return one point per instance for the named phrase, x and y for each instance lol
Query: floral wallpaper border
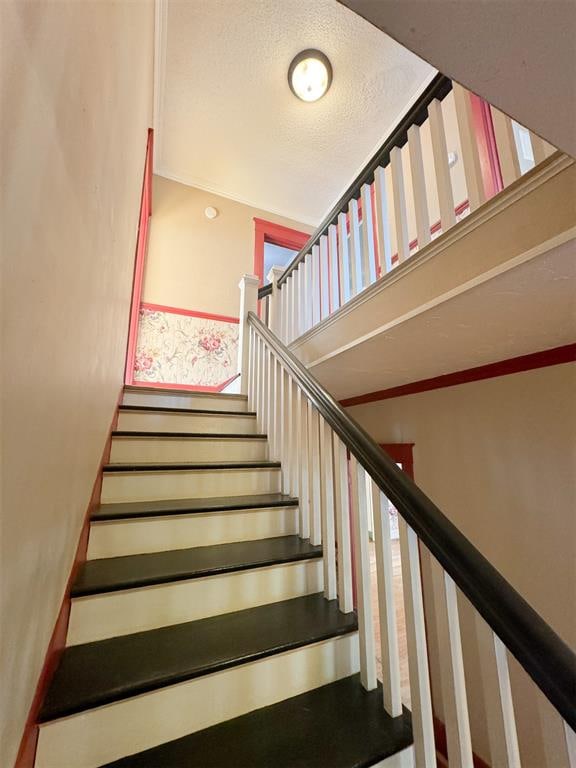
(185, 348)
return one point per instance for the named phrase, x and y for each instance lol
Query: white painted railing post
(274, 314)
(248, 303)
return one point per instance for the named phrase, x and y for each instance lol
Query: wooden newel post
(248, 303)
(274, 307)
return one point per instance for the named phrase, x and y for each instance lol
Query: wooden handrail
(439, 88)
(535, 645)
(265, 290)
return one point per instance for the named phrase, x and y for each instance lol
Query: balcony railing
(449, 154)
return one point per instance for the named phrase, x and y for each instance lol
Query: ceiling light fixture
(310, 75)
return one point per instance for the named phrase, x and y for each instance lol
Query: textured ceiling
(227, 121)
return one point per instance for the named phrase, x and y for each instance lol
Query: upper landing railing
(449, 154)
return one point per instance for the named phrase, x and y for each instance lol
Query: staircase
(199, 633)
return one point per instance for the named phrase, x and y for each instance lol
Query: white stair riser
(165, 399)
(158, 449)
(115, 538)
(108, 733)
(164, 421)
(183, 484)
(97, 617)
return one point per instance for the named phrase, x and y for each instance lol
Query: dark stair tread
(130, 571)
(132, 509)
(201, 411)
(190, 435)
(155, 466)
(99, 673)
(339, 725)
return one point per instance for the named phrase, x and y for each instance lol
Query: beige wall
(194, 262)
(498, 457)
(76, 106)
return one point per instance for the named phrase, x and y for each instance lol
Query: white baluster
(271, 400)
(327, 501)
(297, 302)
(342, 512)
(344, 260)
(368, 256)
(441, 168)
(314, 476)
(419, 187)
(309, 292)
(422, 721)
(301, 300)
(386, 606)
(324, 284)
(355, 247)
(382, 221)
(333, 262)
(293, 299)
(276, 427)
(301, 440)
(452, 666)
(304, 498)
(400, 217)
(362, 569)
(469, 144)
(258, 382)
(570, 745)
(251, 356)
(294, 439)
(498, 704)
(315, 258)
(285, 432)
(506, 145)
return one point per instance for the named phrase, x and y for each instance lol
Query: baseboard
(442, 744)
(27, 751)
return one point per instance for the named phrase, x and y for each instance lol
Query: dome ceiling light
(310, 75)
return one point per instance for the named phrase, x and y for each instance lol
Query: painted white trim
(135, 536)
(516, 191)
(112, 614)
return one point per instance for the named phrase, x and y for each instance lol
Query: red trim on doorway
(141, 249)
(27, 751)
(188, 312)
(543, 359)
(401, 453)
(278, 234)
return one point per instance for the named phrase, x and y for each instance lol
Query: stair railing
(367, 233)
(338, 472)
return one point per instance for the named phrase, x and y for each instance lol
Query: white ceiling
(226, 120)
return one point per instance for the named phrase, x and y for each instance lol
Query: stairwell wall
(76, 106)
(498, 458)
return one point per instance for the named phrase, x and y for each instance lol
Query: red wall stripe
(188, 312)
(543, 359)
